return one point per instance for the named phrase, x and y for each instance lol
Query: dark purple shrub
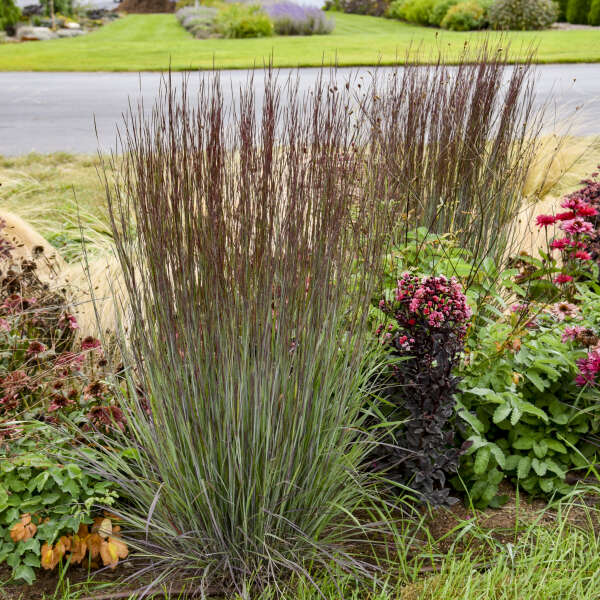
(290, 18)
(426, 334)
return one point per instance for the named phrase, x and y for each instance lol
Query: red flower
(35, 348)
(545, 220)
(16, 303)
(582, 255)
(107, 417)
(566, 216)
(585, 210)
(90, 343)
(560, 244)
(68, 321)
(562, 278)
(58, 402)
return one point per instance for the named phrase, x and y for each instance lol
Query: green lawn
(152, 42)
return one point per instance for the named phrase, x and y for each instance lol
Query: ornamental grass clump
(248, 262)
(459, 143)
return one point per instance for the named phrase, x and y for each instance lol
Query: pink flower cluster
(436, 300)
(589, 369)
(571, 333)
(575, 224)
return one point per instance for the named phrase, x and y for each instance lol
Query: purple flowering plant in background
(290, 18)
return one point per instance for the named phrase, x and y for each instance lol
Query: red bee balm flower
(35, 348)
(562, 278)
(90, 343)
(582, 255)
(566, 216)
(560, 244)
(545, 220)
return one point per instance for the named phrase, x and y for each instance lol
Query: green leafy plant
(243, 21)
(522, 14)
(527, 418)
(43, 502)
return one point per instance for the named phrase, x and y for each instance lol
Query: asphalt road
(50, 112)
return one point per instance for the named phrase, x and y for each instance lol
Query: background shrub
(594, 14)
(63, 7)
(562, 9)
(200, 22)
(522, 14)
(464, 16)
(9, 16)
(375, 8)
(439, 11)
(413, 11)
(243, 21)
(293, 19)
(578, 11)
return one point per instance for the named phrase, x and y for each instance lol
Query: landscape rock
(72, 25)
(69, 33)
(25, 34)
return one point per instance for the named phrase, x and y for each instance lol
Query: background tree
(578, 11)
(594, 15)
(9, 16)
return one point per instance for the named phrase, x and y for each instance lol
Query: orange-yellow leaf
(93, 543)
(50, 557)
(17, 532)
(111, 550)
(103, 527)
(78, 549)
(23, 530)
(66, 542)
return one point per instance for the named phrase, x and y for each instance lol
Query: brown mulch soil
(47, 581)
(502, 524)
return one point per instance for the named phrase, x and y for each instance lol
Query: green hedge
(9, 15)
(578, 11)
